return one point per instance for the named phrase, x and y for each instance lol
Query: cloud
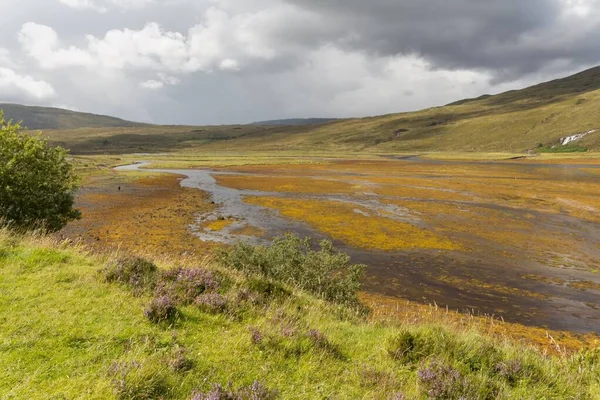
(152, 84)
(41, 43)
(14, 85)
(163, 79)
(104, 5)
(264, 59)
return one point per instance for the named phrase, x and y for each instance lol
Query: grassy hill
(295, 122)
(511, 121)
(58, 118)
(79, 325)
(515, 121)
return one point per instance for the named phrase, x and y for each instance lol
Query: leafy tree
(37, 182)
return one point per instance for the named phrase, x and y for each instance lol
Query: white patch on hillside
(574, 138)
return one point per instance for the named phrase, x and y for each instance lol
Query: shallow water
(495, 283)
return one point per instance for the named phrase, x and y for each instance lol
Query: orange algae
(341, 221)
(286, 184)
(218, 225)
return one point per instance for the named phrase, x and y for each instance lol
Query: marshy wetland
(518, 240)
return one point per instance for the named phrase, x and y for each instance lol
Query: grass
(69, 334)
(569, 148)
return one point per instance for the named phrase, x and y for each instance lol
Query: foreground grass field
(67, 333)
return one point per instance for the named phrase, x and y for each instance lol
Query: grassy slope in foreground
(67, 334)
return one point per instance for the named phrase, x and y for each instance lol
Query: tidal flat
(516, 240)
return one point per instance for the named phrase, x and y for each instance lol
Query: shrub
(162, 309)
(256, 391)
(211, 303)
(180, 362)
(185, 284)
(37, 182)
(256, 336)
(412, 347)
(443, 382)
(268, 289)
(136, 272)
(291, 260)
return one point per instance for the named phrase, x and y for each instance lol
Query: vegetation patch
(218, 225)
(340, 221)
(291, 261)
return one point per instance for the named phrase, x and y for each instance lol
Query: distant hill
(57, 118)
(295, 122)
(535, 117)
(515, 121)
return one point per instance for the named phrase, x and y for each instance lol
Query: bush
(37, 183)
(180, 361)
(136, 272)
(291, 260)
(212, 303)
(411, 347)
(443, 382)
(162, 309)
(256, 391)
(185, 284)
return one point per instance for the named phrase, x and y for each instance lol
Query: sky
(238, 61)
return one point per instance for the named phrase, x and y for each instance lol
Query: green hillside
(512, 121)
(58, 118)
(77, 325)
(295, 122)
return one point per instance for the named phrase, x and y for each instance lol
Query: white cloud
(221, 42)
(41, 43)
(229, 64)
(163, 79)
(152, 84)
(104, 5)
(13, 84)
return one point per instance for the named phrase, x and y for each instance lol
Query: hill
(513, 121)
(58, 118)
(295, 122)
(79, 325)
(516, 121)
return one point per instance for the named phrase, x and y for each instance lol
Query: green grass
(569, 148)
(66, 333)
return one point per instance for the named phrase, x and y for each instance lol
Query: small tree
(37, 183)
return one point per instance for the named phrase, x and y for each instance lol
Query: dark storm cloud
(507, 37)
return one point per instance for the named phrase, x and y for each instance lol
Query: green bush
(37, 182)
(291, 260)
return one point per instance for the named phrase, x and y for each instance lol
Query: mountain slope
(295, 122)
(57, 118)
(511, 121)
